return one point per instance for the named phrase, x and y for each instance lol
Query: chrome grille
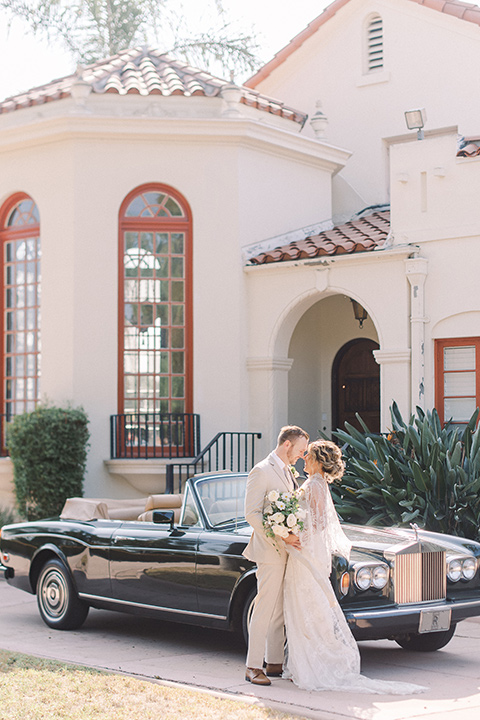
(419, 577)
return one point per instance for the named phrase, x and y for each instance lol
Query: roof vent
(375, 44)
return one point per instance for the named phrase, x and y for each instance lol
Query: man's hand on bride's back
(293, 540)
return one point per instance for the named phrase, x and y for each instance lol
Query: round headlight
(454, 571)
(469, 568)
(363, 578)
(380, 576)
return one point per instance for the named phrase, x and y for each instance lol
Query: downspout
(416, 271)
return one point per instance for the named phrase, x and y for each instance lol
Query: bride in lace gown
(321, 651)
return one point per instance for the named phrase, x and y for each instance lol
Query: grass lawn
(36, 689)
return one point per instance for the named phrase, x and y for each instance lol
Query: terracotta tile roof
(470, 147)
(143, 71)
(462, 10)
(360, 235)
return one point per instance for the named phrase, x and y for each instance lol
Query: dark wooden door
(356, 385)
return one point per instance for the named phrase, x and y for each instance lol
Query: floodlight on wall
(416, 120)
(359, 312)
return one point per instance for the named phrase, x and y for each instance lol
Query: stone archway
(356, 385)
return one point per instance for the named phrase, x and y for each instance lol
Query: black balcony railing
(233, 451)
(154, 435)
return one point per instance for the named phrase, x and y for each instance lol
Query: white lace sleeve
(322, 524)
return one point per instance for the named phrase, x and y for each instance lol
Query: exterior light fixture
(359, 312)
(416, 120)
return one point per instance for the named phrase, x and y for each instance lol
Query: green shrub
(48, 448)
(418, 472)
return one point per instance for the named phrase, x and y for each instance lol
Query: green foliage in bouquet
(48, 448)
(418, 472)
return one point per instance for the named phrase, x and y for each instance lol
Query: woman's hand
(293, 540)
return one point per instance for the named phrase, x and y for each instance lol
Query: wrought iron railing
(154, 435)
(233, 451)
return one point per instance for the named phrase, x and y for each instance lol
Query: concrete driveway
(214, 660)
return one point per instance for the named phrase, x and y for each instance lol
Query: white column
(394, 383)
(416, 271)
(268, 400)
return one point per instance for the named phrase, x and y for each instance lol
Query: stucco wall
(243, 182)
(430, 61)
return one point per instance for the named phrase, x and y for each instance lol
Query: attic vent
(375, 44)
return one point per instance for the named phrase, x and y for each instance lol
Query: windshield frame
(227, 479)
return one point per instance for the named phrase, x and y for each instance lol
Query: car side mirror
(162, 517)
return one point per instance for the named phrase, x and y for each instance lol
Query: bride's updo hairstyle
(328, 457)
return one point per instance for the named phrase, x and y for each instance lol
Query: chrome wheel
(53, 594)
(58, 602)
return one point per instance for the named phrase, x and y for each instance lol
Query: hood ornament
(415, 529)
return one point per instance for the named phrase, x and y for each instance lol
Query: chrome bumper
(379, 622)
(7, 571)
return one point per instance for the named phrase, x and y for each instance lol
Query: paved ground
(211, 659)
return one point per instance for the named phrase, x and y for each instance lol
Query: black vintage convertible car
(179, 557)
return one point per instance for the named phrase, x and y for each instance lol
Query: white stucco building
(200, 244)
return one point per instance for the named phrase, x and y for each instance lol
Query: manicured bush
(48, 448)
(419, 472)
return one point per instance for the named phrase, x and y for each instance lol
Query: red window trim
(440, 345)
(185, 225)
(5, 233)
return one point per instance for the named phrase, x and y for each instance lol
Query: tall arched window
(20, 316)
(155, 284)
(374, 44)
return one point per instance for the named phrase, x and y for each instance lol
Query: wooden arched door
(356, 385)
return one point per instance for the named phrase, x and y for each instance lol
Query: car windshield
(223, 499)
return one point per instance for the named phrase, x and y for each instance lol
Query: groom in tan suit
(266, 633)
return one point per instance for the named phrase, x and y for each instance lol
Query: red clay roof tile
(471, 149)
(142, 71)
(362, 235)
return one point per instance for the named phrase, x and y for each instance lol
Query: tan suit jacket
(263, 478)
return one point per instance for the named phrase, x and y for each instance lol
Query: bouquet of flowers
(282, 514)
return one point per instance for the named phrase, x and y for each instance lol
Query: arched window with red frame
(20, 316)
(155, 302)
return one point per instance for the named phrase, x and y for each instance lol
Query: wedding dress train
(321, 651)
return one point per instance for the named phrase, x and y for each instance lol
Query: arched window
(20, 316)
(155, 285)
(374, 44)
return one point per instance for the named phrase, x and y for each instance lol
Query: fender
(40, 556)
(240, 590)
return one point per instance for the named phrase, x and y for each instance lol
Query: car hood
(375, 540)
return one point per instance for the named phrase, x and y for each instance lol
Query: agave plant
(419, 472)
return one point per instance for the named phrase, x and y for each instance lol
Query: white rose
(291, 520)
(278, 518)
(301, 514)
(268, 510)
(280, 530)
(273, 495)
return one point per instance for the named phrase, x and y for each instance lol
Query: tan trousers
(267, 632)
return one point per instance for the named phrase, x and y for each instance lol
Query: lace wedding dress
(321, 651)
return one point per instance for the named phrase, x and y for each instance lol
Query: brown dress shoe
(274, 669)
(256, 676)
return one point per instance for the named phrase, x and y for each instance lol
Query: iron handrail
(234, 451)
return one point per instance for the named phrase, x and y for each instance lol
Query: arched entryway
(356, 385)
(322, 334)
